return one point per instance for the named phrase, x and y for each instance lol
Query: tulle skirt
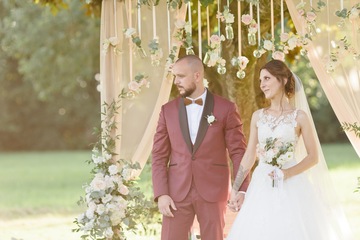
(292, 212)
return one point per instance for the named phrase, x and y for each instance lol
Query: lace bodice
(282, 129)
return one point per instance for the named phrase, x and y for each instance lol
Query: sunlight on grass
(42, 182)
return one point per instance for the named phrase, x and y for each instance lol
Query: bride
(290, 195)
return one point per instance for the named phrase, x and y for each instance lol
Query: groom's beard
(187, 92)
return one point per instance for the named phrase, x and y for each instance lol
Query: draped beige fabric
(342, 87)
(137, 117)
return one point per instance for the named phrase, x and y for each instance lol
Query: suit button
(193, 158)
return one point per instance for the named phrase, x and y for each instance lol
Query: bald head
(194, 62)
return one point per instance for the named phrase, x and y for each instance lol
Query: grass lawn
(34, 184)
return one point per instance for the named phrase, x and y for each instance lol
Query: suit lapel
(208, 109)
(184, 124)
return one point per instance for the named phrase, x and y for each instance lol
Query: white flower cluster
(279, 49)
(112, 41)
(226, 16)
(131, 33)
(211, 119)
(343, 48)
(212, 56)
(105, 198)
(179, 39)
(250, 22)
(275, 152)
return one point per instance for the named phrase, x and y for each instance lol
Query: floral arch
(141, 39)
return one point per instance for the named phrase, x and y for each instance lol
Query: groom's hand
(240, 197)
(236, 200)
(232, 203)
(165, 203)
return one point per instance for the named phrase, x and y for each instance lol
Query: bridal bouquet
(276, 153)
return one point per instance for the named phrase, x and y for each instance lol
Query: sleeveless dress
(288, 212)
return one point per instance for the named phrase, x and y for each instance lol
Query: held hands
(165, 203)
(236, 200)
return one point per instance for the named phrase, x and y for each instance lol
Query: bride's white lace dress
(290, 212)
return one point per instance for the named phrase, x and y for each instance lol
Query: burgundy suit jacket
(176, 162)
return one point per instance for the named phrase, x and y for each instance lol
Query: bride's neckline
(274, 121)
(283, 113)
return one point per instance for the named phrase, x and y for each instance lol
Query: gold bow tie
(188, 101)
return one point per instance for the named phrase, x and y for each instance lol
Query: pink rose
(284, 37)
(134, 86)
(310, 16)
(246, 19)
(215, 39)
(277, 55)
(301, 12)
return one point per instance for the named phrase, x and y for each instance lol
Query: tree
(49, 64)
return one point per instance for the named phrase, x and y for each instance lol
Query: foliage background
(49, 56)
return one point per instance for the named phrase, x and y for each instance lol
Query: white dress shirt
(194, 113)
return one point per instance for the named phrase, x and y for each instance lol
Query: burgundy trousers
(211, 217)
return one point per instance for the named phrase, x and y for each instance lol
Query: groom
(190, 169)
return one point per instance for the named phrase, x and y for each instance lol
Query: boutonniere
(210, 119)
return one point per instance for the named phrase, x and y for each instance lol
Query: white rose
(116, 217)
(109, 181)
(81, 218)
(269, 155)
(213, 59)
(97, 159)
(100, 209)
(129, 32)
(268, 45)
(88, 226)
(113, 169)
(108, 233)
(89, 214)
(107, 198)
(126, 173)
(98, 184)
(229, 18)
(211, 119)
(292, 42)
(107, 156)
(92, 206)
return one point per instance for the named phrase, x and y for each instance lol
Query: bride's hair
(279, 70)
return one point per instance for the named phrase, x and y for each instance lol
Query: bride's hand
(236, 200)
(285, 172)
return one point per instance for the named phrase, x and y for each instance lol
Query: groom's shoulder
(222, 100)
(172, 102)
